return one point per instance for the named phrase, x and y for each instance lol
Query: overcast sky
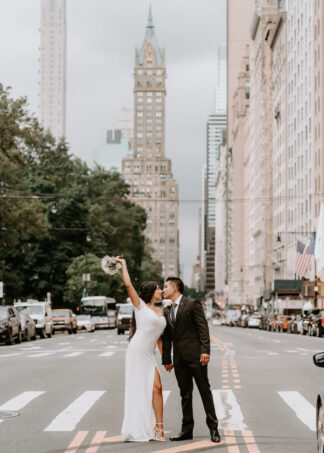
(102, 36)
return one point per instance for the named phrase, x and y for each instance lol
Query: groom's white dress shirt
(176, 306)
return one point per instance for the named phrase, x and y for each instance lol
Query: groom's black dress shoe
(214, 436)
(182, 436)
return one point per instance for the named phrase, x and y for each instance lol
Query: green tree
(99, 285)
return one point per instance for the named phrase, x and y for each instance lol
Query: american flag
(303, 256)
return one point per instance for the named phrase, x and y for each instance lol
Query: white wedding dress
(139, 418)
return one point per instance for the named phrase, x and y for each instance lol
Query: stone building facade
(148, 171)
(53, 67)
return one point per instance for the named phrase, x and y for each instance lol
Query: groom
(187, 329)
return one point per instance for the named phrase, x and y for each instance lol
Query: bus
(101, 309)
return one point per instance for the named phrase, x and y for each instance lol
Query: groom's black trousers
(185, 372)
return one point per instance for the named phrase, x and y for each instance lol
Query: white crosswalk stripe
(228, 410)
(68, 419)
(227, 406)
(302, 408)
(20, 401)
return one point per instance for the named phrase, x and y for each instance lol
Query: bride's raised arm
(128, 284)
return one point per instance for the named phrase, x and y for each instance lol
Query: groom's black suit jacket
(189, 334)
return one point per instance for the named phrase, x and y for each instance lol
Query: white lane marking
(166, 394)
(30, 348)
(276, 341)
(73, 354)
(11, 355)
(228, 410)
(107, 354)
(292, 351)
(41, 354)
(65, 342)
(273, 353)
(19, 402)
(71, 416)
(302, 408)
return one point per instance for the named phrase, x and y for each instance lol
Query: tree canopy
(59, 217)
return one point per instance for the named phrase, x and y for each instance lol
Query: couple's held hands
(204, 359)
(168, 367)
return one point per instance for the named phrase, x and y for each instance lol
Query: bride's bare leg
(158, 401)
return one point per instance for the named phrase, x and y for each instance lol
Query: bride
(143, 417)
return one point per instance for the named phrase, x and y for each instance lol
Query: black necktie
(173, 315)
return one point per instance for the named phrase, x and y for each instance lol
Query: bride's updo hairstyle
(146, 291)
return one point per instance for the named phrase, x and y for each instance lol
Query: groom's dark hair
(178, 282)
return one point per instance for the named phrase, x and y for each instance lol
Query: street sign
(1, 290)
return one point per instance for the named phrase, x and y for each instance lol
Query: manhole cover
(8, 414)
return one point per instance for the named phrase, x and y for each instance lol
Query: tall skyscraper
(216, 124)
(221, 90)
(148, 171)
(53, 67)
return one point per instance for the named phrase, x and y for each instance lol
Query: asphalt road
(69, 392)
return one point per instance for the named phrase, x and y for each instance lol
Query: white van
(41, 313)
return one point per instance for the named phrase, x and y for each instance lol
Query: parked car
(295, 324)
(124, 317)
(10, 325)
(281, 323)
(319, 361)
(317, 324)
(271, 322)
(41, 313)
(254, 320)
(308, 321)
(217, 322)
(28, 327)
(232, 317)
(264, 321)
(86, 322)
(244, 320)
(63, 319)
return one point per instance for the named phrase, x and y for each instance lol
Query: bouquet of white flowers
(109, 266)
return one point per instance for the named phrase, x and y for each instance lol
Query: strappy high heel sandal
(159, 433)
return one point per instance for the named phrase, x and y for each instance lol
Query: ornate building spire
(150, 40)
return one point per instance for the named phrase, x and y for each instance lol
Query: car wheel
(53, 331)
(10, 339)
(27, 335)
(319, 428)
(42, 333)
(19, 337)
(75, 330)
(70, 331)
(118, 331)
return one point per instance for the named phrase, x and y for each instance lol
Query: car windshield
(83, 317)
(61, 313)
(31, 309)
(3, 313)
(125, 310)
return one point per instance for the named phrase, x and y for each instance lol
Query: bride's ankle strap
(159, 423)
